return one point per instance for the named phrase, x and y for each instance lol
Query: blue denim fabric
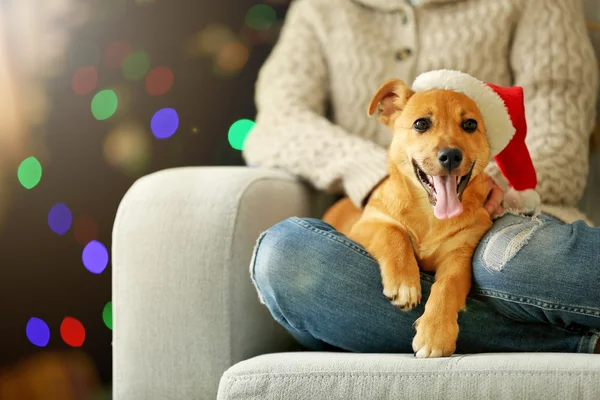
(536, 288)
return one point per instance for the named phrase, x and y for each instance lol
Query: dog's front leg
(391, 247)
(437, 328)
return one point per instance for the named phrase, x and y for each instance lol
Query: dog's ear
(391, 97)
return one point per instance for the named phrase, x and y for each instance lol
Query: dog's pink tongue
(447, 205)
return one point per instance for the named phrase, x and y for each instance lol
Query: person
(535, 277)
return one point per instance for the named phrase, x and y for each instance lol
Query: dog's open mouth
(444, 191)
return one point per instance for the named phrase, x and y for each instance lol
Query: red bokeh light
(72, 332)
(85, 229)
(116, 53)
(85, 80)
(159, 81)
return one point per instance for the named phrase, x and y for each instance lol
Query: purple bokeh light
(95, 257)
(164, 123)
(37, 332)
(60, 218)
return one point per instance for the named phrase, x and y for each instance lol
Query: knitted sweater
(338, 52)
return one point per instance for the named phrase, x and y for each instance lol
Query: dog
(428, 213)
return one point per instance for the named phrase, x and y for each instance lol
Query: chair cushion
(319, 375)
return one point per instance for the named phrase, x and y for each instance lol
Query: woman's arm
(553, 60)
(291, 131)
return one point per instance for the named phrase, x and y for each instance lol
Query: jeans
(536, 287)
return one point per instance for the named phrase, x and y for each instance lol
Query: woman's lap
(540, 269)
(326, 291)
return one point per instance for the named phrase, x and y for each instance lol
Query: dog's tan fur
(398, 227)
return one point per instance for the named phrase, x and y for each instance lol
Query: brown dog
(428, 212)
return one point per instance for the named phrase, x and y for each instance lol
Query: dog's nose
(450, 158)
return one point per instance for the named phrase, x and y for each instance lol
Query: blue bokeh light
(37, 332)
(164, 123)
(95, 257)
(60, 218)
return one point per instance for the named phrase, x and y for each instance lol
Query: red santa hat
(503, 112)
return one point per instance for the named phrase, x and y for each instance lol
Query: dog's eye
(469, 125)
(421, 125)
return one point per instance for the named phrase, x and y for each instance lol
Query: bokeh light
(261, 17)
(136, 66)
(95, 257)
(85, 80)
(60, 218)
(107, 315)
(85, 229)
(37, 332)
(209, 40)
(116, 53)
(164, 123)
(72, 332)
(159, 81)
(238, 132)
(29, 172)
(104, 104)
(233, 56)
(128, 148)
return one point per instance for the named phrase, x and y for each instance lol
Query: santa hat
(503, 112)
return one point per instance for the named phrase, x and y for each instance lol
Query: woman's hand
(493, 204)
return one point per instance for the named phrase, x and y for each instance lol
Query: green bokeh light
(238, 132)
(136, 66)
(104, 104)
(107, 315)
(30, 172)
(260, 17)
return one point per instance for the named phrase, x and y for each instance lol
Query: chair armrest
(185, 308)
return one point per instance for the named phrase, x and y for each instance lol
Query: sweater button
(403, 54)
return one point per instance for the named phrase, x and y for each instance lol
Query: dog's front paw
(403, 291)
(435, 338)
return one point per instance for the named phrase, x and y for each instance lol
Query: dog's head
(439, 140)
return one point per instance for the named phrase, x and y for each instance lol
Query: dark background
(41, 272)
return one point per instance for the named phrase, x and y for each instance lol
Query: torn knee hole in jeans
(504, 244)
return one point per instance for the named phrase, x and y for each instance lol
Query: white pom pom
(526, 199)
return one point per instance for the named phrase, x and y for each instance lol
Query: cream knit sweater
(338, 52)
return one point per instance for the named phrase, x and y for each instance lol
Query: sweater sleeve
(292, 132)
(553, 60)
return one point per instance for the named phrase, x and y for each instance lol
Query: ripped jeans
(536, 287)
